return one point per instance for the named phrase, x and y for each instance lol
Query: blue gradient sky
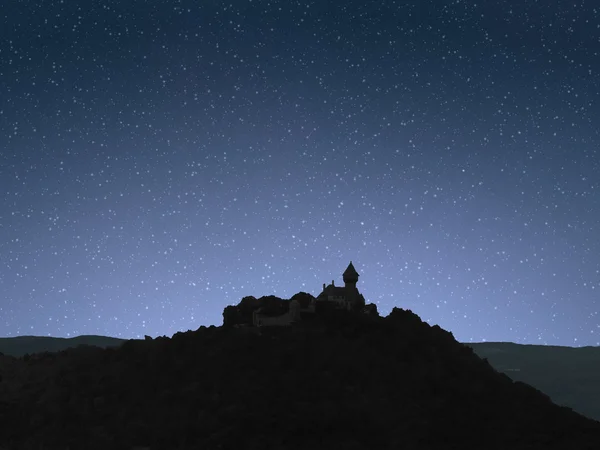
(161, 160)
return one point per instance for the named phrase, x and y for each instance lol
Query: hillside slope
(340, 381)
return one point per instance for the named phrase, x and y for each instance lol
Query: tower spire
(350, 275)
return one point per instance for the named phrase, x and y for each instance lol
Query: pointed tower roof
(350, 274)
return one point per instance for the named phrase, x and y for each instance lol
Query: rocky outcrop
(242, 313)
(341, 381)
(371, 309)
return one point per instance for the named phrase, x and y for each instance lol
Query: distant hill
(20, 345)
(569, 375)
(340, 380)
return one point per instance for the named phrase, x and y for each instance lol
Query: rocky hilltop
(338, 380)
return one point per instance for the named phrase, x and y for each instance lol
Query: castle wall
(293, 315)
(342, 302)
(261, 320)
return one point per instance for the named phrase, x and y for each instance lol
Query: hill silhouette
(569, 375)
(21, 345)
(342, 380)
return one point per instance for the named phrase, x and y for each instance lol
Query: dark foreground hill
(568, 375)
(341, 381)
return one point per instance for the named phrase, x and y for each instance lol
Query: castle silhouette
(345, 297)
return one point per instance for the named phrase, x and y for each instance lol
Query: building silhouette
(345, 297)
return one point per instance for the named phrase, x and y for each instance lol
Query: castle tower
(350, 277)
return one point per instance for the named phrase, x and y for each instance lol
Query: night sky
(160, 160)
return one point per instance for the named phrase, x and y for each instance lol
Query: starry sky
(160, 160)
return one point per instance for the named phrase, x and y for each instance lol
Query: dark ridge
(342, 380)
(20, 345)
